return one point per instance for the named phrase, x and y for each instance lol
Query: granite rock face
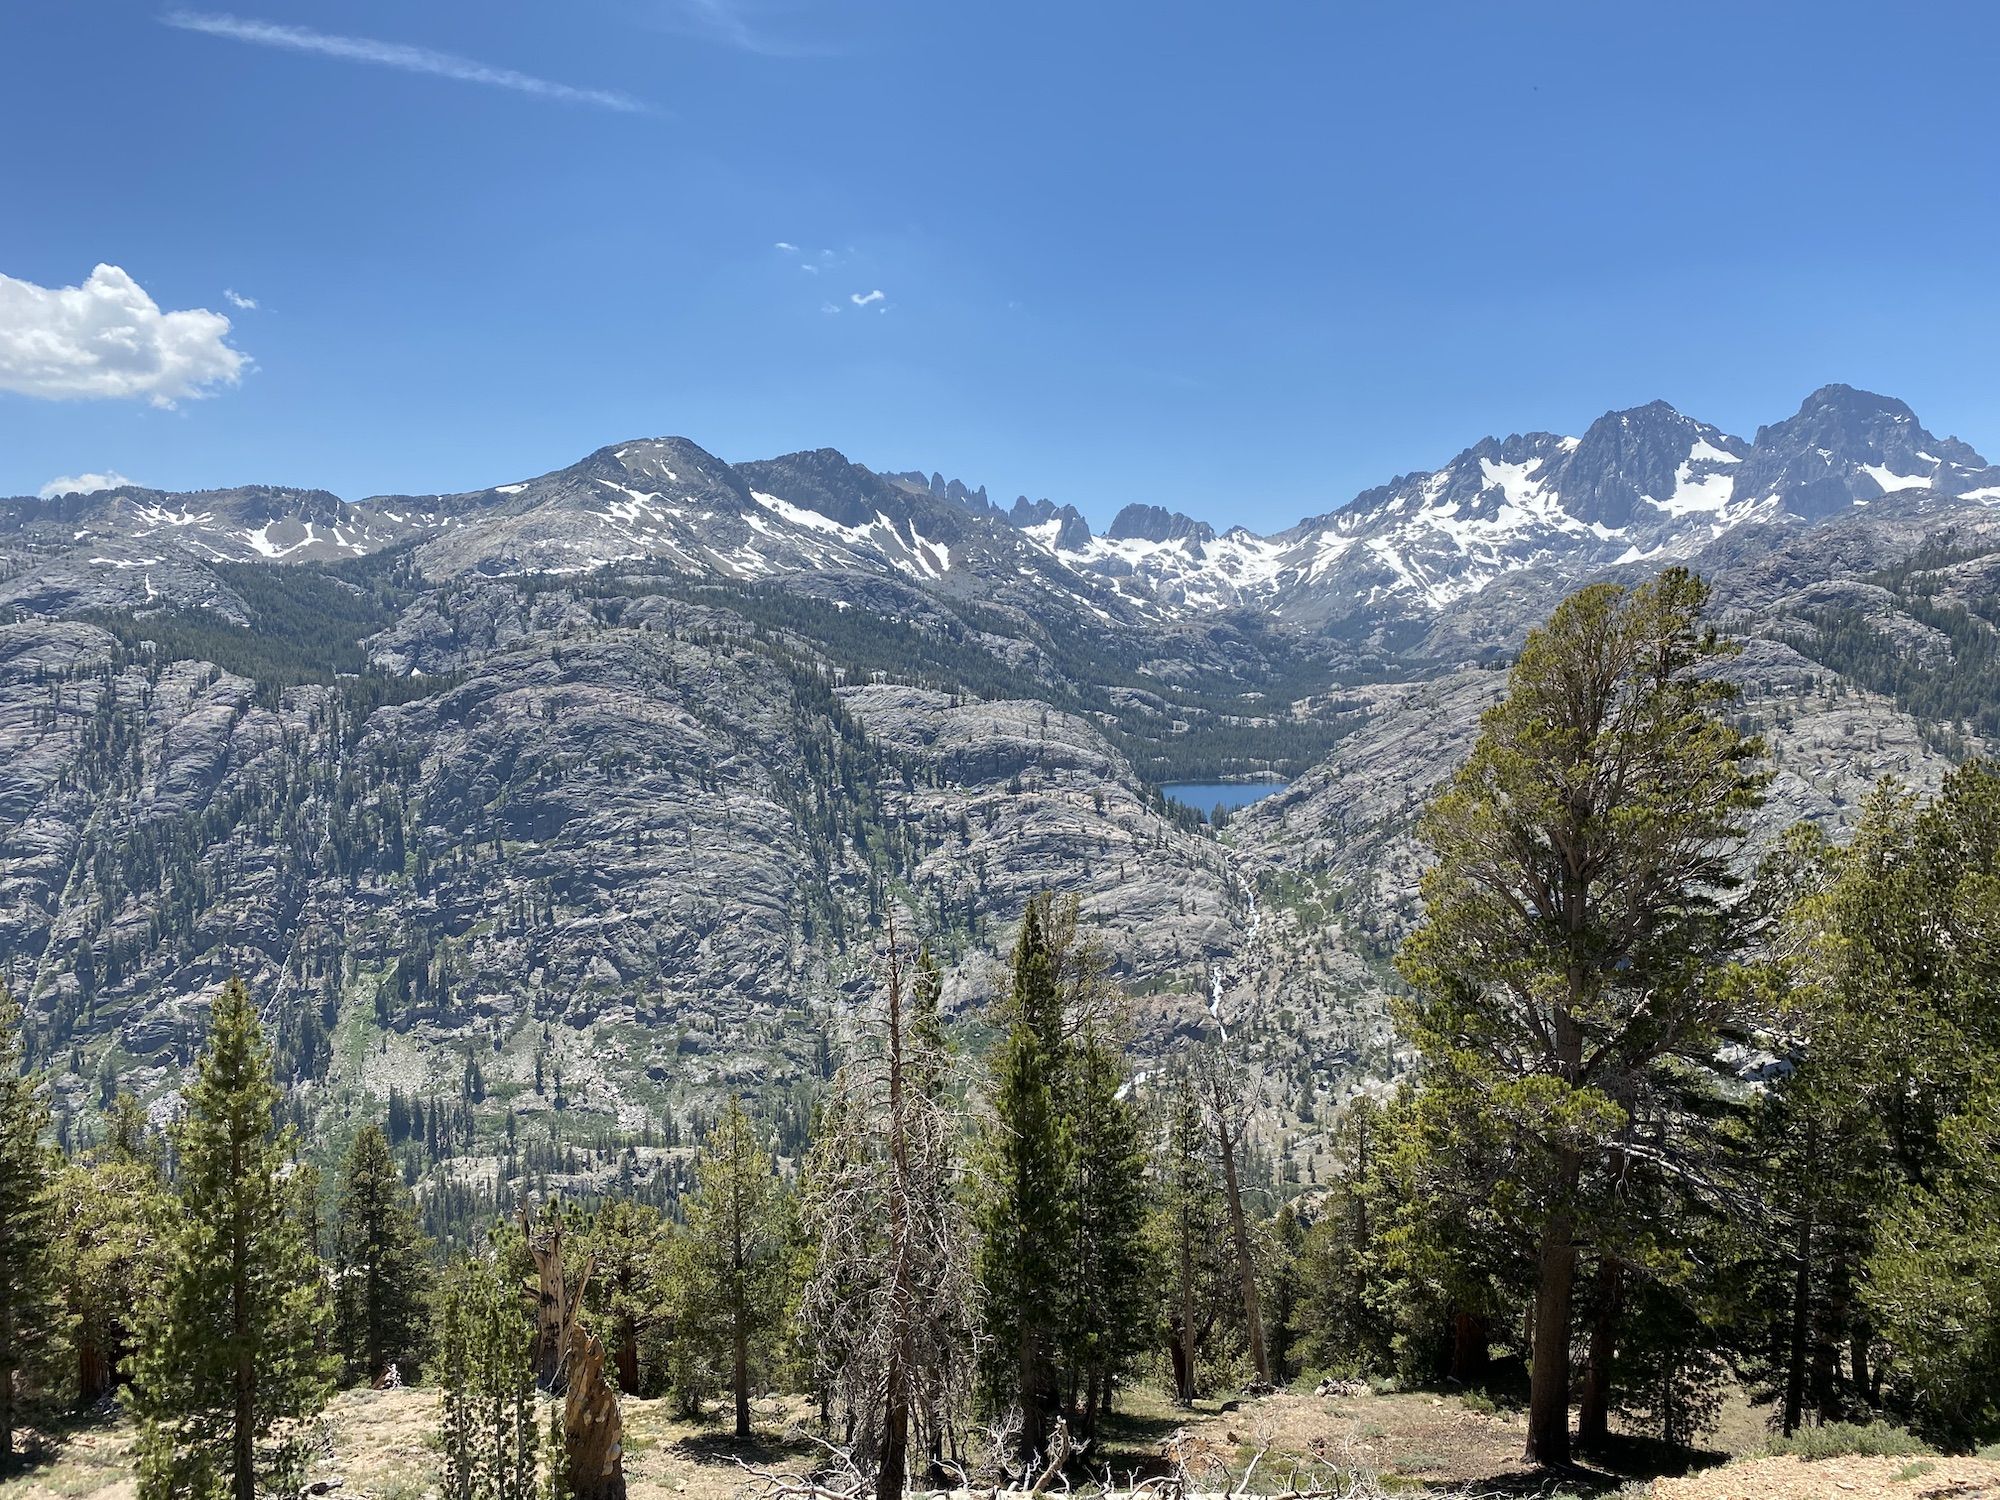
(603, 790)
(656, 854)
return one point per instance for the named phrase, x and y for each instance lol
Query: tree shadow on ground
(53, 1437)
(1605, 1470)
(720, 1449)
(1131, 1443)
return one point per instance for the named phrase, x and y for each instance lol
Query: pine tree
(235, 1342)
(1934, 1278)
(1025, 1206)
(738, 1241)
(1107, 1288)
(1189, 1230)
(110, 1253)
(1344, 1325)
(1577, 912)
(380, 1268)
(488, 1435)
(1883, 1134)
(635, 1248)
(33, 1327)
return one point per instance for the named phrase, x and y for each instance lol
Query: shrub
(1850, 1440)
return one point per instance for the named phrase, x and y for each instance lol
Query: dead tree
(569, 1362)
(890, 1298)
(1227, 1095)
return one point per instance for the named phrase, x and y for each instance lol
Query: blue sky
(1241, 260)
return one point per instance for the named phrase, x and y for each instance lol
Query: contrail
(408, 59)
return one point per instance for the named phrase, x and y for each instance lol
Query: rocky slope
(564, 806)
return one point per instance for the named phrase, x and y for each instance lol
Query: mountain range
(1647, 485)
(570, 803)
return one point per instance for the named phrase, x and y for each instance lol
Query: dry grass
(379, 1443)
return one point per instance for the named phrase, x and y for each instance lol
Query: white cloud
(787, 246)
(809, 268)
(83, 484)
(862, 299)
(107, 339)
(407, 59)
(237, 299)
(831, 309)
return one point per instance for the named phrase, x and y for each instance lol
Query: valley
(564, 808)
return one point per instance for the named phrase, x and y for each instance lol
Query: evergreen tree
(738, 1241)
(235, 1341)
(1576, 913)
(1435, 1211)
(635, 1248)
(1025, 1204)
(483, 1339)
(1344, 1324)
(1189, 1229)
(380, 1268)
(109, 1248)
(1934, 1278)
(1106, 1291)
(33, 1328)
(1883, 1132)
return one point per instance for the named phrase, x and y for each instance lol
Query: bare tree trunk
(627, 1360)
(892, 1470)
(741, 1380)
(1246, 1266)
(1469, 1338)
(243, 1478)
(1184, 1345)
(93, 1372)
(593, 1430)
(1548, 1381)
(1593, 1417)
(1795, 1363)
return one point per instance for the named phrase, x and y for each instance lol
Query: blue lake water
(1203, 796)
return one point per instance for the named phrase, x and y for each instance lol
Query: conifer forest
(1667, 1127)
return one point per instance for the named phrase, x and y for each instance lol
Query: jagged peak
(1155, 523)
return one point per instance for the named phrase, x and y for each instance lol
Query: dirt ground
(1840, 1479)
(378, 1444)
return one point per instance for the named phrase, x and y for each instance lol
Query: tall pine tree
(1576, 914)
(739, 1247)
(1105, 1297)
(235, 1343)
(380, 1270)
(32, 1325)
(1025, 1204)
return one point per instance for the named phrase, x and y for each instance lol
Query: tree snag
(569, 1361)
